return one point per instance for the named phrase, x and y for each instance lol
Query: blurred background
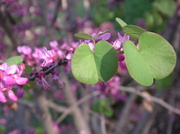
(82, 109)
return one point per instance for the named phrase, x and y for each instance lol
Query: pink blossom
(26, 50)
(10, 77)
(3, 121)
(104, 36)
(82, 132)
(49, 56)
(55, 77)
(117, 44)
(53, 44)
(42, 80)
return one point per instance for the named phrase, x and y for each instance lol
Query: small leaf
(29, 85)
(100, 34)
(29, 69)
(107, 111)
(14, 60)
(133, 31)
(83, 36)
(102, 107)
(121, 22)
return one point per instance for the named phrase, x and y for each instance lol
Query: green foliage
(88, 67)
(83, 36)
(29, 85)
(164, 83)
(29, 69)
(121, 22)
(166, 7)
(100, 34)
(155, 58)
(2, 129)
(155, 21)
(102, 106)
(14, 60)
(101, 12)
(135, 9)
(131, 30)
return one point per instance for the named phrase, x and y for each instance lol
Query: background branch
(151, 98)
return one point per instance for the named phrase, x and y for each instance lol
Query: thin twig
(56, 107)
(79, 102)
(151, 98)
(51, 68)
(124, 114)
(103, 124)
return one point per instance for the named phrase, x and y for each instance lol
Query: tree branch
(76, 104)
(151, 98)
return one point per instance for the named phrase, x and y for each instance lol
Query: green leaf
(88, 67)
(107, 111)
(158, 54)
(121, 22)
(155, 58)
(166, 7)
(102, 106)
(100, 34)
(164, 83)
(83, 36)
(136, 65)
(14, 60)
(29, 69)
(106, 60)
(29, 85)
(83, 65)
(133, 31)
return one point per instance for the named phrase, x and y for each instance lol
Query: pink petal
(9, 80)
(117, 44)
(91, 45)
(11, 95)
(21, 80)
(105, 36)
(20, 92)
(2, 97)
(11, 69)
(3, 66)
(68, 56)
(53, 44)
(126, 38)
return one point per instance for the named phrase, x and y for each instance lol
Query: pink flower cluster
(48, 60)
(10, 77)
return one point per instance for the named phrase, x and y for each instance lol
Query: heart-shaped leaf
(155, 58)
(83, 66)
(83, 36)
(136, 64)
(14, 60)
(88, 67)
